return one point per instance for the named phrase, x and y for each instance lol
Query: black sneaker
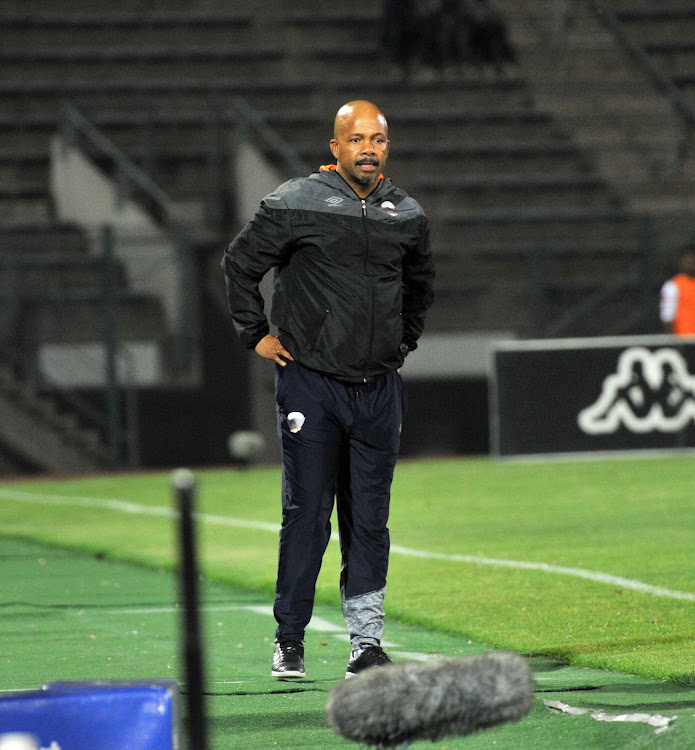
(288, 659)
(371, 656)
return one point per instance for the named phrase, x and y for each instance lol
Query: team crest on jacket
(389, 208)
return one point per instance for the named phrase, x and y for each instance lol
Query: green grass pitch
(629, 519)
(69, 615)
(587, 562)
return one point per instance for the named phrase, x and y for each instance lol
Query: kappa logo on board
(650, 391)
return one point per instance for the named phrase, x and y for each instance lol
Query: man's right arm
(262, 244)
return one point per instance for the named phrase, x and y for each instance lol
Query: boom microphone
(401, 703)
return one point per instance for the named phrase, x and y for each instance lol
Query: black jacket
(354, 276)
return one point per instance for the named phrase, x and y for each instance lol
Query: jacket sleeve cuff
(251, 340)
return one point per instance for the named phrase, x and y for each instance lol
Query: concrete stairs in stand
(610, 107)
(560, 158)
(36, 436)
(500, 176)
(54, 297)
(536, 183)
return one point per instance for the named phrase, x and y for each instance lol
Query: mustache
(368, 160)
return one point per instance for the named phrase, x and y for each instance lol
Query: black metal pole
(192, 646)
(650, 321)
(110, 328)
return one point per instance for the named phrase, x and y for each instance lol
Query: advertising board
(598, 395)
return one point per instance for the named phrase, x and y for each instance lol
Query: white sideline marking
(323, 626)
(316, 623)
(167, 609)
(416, 655)
(261, 609)
(591, 575)
(661, 723)
(319, 624)
(136, 508)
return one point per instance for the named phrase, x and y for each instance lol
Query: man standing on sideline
(354, 281)
(677, 307)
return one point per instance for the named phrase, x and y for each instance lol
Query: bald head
(356, 110)
(360, 145)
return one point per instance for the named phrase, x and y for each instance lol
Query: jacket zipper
(369, 281)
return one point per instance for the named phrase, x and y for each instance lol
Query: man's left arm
(668, 305)
(418, 283)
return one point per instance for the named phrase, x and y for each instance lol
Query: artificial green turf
(71, 616)
(629, 518)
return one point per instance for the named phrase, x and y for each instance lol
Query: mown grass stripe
(125, 506)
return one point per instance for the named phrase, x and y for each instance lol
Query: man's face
(360, 148)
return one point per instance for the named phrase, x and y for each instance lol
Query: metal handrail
(133, 181)
(663, 82)
(15, 299)
(75, 123)
(292, 163)
(250, 125)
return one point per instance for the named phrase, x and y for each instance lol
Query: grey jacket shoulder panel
(354, 276)
(327, 192)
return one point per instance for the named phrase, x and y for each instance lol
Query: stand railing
(134, 184)
(116, 422)
(246, 124)
(683, 112)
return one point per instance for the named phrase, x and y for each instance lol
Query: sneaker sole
(293, 674)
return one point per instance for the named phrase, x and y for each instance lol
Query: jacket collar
(328, 173)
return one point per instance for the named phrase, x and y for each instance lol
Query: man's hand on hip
(269, 347)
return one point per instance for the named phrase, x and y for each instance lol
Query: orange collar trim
(333, 167)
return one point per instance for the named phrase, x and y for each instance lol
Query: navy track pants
(339, 442)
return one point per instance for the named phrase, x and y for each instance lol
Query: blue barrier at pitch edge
(97, 715)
